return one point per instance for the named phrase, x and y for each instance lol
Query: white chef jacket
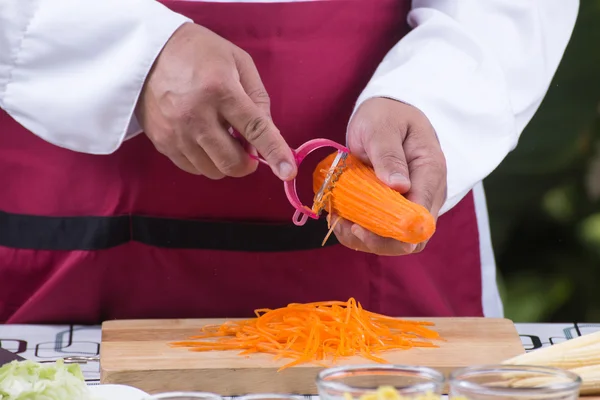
(71, 72)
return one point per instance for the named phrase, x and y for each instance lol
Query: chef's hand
(401, 145)
(199, 87)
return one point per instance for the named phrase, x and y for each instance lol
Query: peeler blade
(332, 174)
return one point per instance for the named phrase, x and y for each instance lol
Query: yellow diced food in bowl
(390, 393)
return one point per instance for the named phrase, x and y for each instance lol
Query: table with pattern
(49, 342)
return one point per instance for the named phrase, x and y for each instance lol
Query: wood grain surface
(136, 353)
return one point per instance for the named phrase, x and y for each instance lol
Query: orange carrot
(357, 195)
(314, 333)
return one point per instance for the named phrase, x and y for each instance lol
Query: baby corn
(580, 356)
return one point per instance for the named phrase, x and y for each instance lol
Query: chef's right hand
(199, 87)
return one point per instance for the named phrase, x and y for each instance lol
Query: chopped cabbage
(29, 380)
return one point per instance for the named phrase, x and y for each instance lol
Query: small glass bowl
(410, 382)
(513, 382)
(184, 396)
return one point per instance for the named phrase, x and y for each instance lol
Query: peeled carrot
(315, 332)
(357, 195)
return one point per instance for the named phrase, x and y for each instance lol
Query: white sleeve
(478, 69)
(71, 70)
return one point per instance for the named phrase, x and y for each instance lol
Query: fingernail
(285, 170)
(398, 179)
(358, 232)
(412, 248)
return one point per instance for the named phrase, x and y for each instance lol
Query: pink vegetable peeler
(303, 212)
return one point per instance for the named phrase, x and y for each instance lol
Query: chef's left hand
(401, 145)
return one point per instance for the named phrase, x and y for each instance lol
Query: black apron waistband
(98, 233)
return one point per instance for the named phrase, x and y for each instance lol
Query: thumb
(381, 146)
(390, 164)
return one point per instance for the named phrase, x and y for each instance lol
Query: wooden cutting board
(136, 353)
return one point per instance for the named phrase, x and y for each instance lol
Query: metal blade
(331, 175)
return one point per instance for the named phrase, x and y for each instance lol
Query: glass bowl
(513, 382)
(362, 382)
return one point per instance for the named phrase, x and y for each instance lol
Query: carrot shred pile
(314, 333)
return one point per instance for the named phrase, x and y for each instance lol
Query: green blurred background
(544, 199)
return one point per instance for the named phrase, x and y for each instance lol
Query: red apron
(85, 238)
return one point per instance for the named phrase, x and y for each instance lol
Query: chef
(124, 195)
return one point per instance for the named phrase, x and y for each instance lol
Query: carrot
(314, 333)
(357, 195)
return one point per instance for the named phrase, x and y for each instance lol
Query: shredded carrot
(314, 333)
(331, 228)
(357, 195)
